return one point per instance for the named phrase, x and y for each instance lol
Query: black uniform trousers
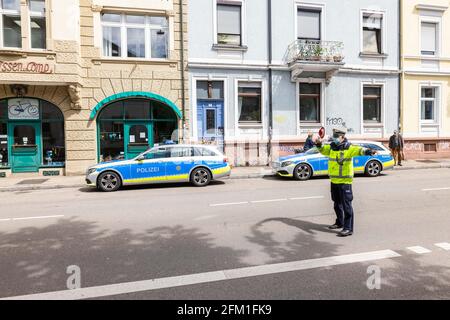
(342, 196)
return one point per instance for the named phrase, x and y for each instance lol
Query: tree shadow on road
(403, 277)
(34, 260)
(303, 245)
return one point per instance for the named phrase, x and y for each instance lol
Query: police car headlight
(286, 163)
(92, 170)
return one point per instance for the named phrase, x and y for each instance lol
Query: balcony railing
(318, 51)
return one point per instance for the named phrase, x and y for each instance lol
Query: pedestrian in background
(396, 146)
(309, 143)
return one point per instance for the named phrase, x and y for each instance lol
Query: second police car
(198, 164)
(303, 166)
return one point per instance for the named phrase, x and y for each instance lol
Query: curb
(235, 177)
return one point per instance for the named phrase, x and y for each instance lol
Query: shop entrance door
(138, 138)
(25, 145)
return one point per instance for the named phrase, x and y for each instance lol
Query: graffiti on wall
(339, 122)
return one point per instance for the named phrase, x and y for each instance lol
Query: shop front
(31, 135)
(127, 127)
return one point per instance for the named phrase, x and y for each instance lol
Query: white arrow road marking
(419, 249)
(192, 279)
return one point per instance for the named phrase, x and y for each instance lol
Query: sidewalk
(26, 182)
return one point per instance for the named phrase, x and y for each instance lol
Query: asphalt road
(236, 239)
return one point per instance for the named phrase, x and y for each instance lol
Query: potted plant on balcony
(338, 57)
(317, 53)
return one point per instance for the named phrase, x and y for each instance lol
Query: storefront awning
(134, 94)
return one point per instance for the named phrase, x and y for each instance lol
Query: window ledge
(250, 125)
(373, 55)
(229, 47)
(373, 124)
(25, 53)
(172, 63)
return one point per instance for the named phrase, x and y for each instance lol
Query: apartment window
(428, 104)
(37, 24)
(11, 23)
(229, 28)
(372, 33)
(310, 102)
(308, 24)
(372, 104)
(249, 102)
(134, 36)
(429, 32)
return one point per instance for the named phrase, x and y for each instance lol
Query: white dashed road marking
(272, 200)
(228, 204)
(199, 278)
(443, 245)
(31, 218)
(419, 249)
(436, 189)
(263, 201)
(307, 198)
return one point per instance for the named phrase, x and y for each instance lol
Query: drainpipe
(269, 41)
(183, 94)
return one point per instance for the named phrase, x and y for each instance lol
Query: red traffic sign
(322, 132)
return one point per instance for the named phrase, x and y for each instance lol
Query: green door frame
(126, 131)
(13, 154)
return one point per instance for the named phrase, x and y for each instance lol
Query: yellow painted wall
(411, 100)
(411, 60)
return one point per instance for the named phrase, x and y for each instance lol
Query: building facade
(83, 81)
(264, 73)
(425, 116)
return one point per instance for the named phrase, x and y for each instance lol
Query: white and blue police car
(198, 164)
(304, 165)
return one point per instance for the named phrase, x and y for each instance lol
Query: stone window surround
(97, 10)
(26, 32)
(384, 32)
(438, 106)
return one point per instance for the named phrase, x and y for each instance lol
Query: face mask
(336, 141)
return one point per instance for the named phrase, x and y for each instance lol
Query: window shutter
(429, 36)
(229, 19)
(372, 21)
(308, 24)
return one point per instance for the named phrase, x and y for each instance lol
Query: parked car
(305, 165)
(198, 164)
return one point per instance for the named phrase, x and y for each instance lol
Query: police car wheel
(200, 177)
(108, 181)
(373, 169)
(302, 172)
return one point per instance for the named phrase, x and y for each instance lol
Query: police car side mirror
(140, 158)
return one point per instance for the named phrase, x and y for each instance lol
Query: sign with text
(25, 67)
(23, 109)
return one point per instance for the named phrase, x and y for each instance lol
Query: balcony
(315, 56)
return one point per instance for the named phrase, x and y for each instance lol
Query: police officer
(340, 169)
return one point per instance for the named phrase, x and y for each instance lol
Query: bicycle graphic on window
(24, 110)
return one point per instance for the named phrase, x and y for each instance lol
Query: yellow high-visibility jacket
(340, 162)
